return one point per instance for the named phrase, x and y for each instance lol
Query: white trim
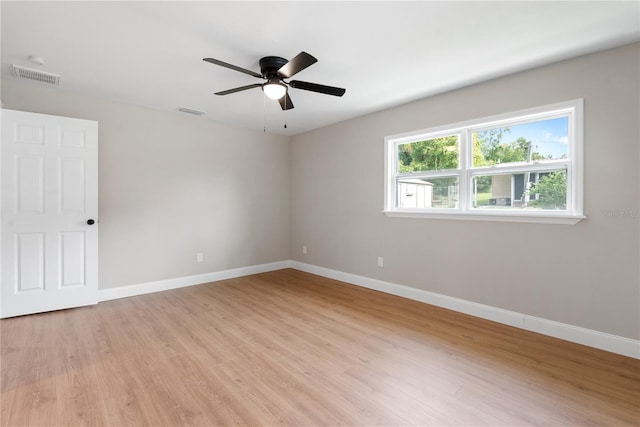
(601, 340)
(478, 215)
(181, 282)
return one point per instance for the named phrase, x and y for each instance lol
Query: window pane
(428, 155)
(428, 192)
(536, 141)
(522, 190)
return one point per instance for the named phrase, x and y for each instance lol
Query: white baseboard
(601, 340)
(181, 282)
(604, 341)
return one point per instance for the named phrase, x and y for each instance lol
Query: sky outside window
(548, 137)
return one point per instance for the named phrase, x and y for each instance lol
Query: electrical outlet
(304, 249)
(199, 257)
(380, 261)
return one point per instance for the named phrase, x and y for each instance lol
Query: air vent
(191, 111)
(37, 75)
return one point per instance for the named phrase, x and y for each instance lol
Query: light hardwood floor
(290, 348)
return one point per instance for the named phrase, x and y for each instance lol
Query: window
(524, 166)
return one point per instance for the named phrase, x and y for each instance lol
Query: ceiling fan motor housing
(269, 66)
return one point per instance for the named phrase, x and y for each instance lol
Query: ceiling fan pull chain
(285, 108)
(264, 113)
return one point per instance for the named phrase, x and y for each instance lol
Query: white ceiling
(150, 53)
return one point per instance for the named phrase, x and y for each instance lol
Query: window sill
(529, 217)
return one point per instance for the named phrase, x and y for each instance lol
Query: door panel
(72, 138)
(30, 181)
(72, 262)
(29, 133)
(72, 186)
(49, 190)
(30, 261)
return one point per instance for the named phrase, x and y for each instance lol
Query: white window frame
(573, 163)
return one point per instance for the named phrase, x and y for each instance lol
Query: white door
(49, 250)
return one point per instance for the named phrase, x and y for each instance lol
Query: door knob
(91, 222)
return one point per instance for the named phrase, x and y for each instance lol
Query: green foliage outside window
(551, 190)
(489, 150)
(442, 153)
(432, 154)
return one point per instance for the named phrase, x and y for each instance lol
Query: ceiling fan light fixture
(274, 89)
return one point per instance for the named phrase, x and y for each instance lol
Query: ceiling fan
(274, 70)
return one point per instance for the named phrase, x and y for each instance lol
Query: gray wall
(585, 275)
(173, 185)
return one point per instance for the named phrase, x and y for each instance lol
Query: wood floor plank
(290, 348)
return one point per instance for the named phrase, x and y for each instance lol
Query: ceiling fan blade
(238, 89)
(285, 102)
(314, 87)
(233, 67)
(297, 64)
